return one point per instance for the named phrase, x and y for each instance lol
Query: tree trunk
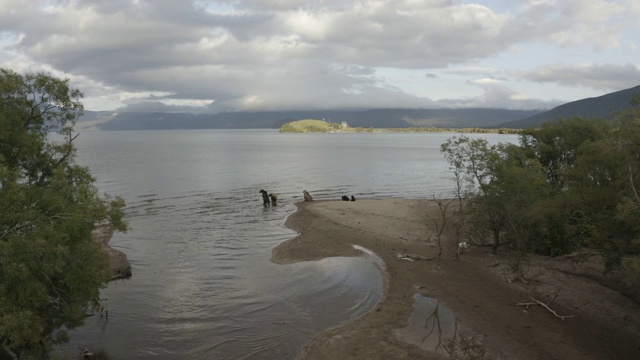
(496, 236)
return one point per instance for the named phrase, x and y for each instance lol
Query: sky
(256, 55)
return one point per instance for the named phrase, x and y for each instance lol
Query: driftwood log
(414, 257)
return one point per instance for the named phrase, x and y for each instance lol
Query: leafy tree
(604, 182)
(570, 184)
(517, 184)
(51, 270)
(555, 145)
(471, 161)
(593, 168)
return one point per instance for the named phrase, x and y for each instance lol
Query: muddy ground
(478, 288)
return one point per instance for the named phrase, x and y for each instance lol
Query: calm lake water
(200, 242)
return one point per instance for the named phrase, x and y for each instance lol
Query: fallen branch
(6, 348)
(414, 257)
(582, 255)
(536, 302)
(85, 354)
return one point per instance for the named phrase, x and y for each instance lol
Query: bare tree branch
(536, 302)
(6, 348)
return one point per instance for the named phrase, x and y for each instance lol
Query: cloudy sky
(232, 55)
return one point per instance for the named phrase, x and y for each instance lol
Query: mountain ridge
(601, 107)
(376, 118)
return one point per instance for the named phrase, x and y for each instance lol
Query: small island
(322, 126)
(311, 125)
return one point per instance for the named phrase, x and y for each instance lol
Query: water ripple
(200, 242)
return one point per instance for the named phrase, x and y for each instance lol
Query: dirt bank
(478, 289)
(119, 266)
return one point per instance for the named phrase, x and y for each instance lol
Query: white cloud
(486, 81)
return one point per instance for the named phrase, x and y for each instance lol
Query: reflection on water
(434, 327)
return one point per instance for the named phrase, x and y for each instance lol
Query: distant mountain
(441, 118)
(378, 118)
(601, 107)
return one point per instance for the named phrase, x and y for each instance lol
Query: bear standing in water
(265, 198)
(307, 196)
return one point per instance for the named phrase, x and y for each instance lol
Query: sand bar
(478, 288)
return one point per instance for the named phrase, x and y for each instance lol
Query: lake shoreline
(477, 288)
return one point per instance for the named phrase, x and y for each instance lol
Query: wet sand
(474, 297)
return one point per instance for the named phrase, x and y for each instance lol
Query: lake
(200, 239)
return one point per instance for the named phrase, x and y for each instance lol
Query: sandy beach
(469, 305)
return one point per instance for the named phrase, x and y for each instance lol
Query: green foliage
(51, 270)
(500, 183)
(555, 145)
(518, 181)
(569, 184)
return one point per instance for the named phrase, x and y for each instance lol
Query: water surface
(200, 243)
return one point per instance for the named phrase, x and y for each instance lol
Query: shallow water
(431, 325)
(200, 243)
(434, 327)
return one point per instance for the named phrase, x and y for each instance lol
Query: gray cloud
(287, 54)
(153, 106)
(601, 77)
(496, 94)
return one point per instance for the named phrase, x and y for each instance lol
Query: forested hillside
(601, 107)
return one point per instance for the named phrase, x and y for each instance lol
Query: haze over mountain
(376, 118)
(602, 107)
